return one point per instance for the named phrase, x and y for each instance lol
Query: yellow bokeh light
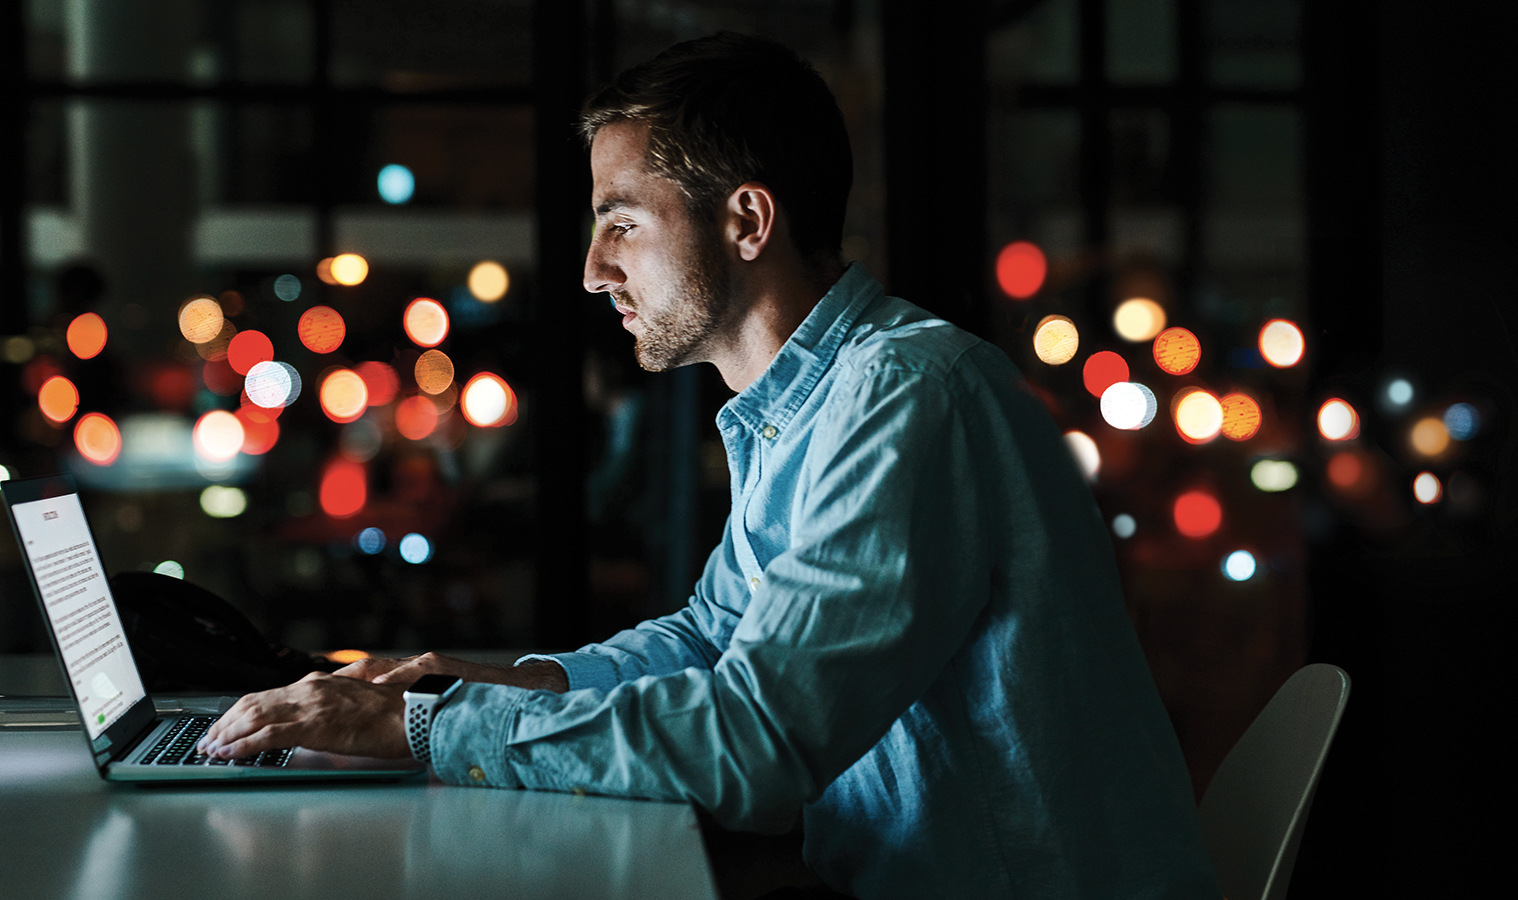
(1429, 437)
(1273, 475)
(489, 281)
(200, 320)
(218, 436)
(1198, 416)
(434, 372)
(1056, 340)
(1241, 417)
(488, 401)
(1338, 421)
(344, 396)
(349, 269)
(1281, 343)
(1138, 319)
(425, 321)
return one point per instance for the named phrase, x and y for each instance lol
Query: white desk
(65, 833)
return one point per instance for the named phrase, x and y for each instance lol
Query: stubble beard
(680, 334)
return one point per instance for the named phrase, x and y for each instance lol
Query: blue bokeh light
(415, 549)
(1462, 421)
(287, 288)
(1123, 525)
(1239, 566)
(396, 184)
(1399, 392)
(371, 541)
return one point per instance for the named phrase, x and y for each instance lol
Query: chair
(1256, 806)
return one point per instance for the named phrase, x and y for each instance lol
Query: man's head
(729, 109)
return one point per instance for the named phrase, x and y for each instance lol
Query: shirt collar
(773, 398)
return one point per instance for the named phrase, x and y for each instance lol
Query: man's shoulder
(897, 336)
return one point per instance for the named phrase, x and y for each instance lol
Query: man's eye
(619, 228)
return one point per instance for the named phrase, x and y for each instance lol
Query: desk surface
(65, 833)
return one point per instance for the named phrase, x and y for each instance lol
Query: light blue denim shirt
(911, 637)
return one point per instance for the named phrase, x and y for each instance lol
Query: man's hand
(319, 712)
(534, 675)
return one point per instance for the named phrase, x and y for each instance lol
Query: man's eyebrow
(614, 203)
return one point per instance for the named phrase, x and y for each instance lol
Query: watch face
(432, 684)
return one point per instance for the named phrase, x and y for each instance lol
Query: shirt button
(477, 773)
(753, 583)
(769, 432)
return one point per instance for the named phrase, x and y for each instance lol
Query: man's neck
(771, 314)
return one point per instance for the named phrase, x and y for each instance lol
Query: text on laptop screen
(79, 608)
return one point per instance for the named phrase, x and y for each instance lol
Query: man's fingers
(370, 669)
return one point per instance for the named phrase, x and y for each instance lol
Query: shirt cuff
(582, 670)
(469, 735)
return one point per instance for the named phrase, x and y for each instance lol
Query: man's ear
(751, 219)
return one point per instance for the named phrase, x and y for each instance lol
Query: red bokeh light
(1020, 269)
(171, 385)
(221, 378)
(1197, 514)
(259, 430)
(38, 371)
(86, 335)
(321, 329)
(344, 488)
(248, 349)
(1103, 370)
(381, 381)
(415, 417)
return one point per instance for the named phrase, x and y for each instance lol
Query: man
(911, 638)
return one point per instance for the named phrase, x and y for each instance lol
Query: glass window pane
(1254, 43)
(1041, 45)
(405, 45)
(1140, 41)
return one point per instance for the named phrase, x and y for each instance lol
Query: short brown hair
(731, 108)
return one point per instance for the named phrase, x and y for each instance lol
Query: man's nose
(600, 273)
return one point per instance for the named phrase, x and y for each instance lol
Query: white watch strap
(419, 712)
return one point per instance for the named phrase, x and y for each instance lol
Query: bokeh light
(1138, 319)
(321, 329)
(287, 288)
(1427, 489)
(170, 568)
(361, 440)
(349, 269)
(272, 385)
(1055, 340)
(1273, 475)
(1429, 437)
(1241, 417)
(249, 349)
(415, 549)
(259, 430)
(216, 348)
(1087, 456)
(380, 379)
(223, 502)
(219, 378)
(97, 439)
(489, 281)
(1020, 269)
(371, 540)
(396, 184)
(324, 272)
(218, 436)
(434, 372)
(1177, 351)
(1197, 514)
(1281, 343)
(200, 320)
(344, 488)
(1102, 370)
(426, 322)
(1337, 420)
(1128, 405)
(1350, 472)
(415, 418)
(343, 395)
(1239, 565)
(1462, 421)
(1198, 416)
(1124, 526)
(1398, 393)
(488, 401)
(86, 336)
(58, 399)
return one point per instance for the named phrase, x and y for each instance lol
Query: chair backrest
(1256, 806)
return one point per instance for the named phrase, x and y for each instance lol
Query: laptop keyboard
(177, 748)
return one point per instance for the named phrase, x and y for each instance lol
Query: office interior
(292, 287)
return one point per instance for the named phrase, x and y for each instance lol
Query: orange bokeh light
(1102, 371)
(349, 269)
(434, 372)
(344, 396)
(248, 349)
(1197, 514)
(380, 379)
(216, 347)
(1177, 351)
(1020, 269)
(86, 336)
(426, 322)
(58, 399)
(324, 272)
(1241, 417)
(344, 488)
(488, 401)
(1350, 471)
(97, 439)
(415, 417)
(321, 329)
(200, 320)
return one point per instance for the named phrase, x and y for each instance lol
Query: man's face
(665, 272)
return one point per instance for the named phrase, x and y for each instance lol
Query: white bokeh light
(1128, 405)
(1239, 566)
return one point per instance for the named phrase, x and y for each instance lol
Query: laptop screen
(85, 624)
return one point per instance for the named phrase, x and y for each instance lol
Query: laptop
(127, 738)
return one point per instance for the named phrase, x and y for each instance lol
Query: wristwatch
(422, 700)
